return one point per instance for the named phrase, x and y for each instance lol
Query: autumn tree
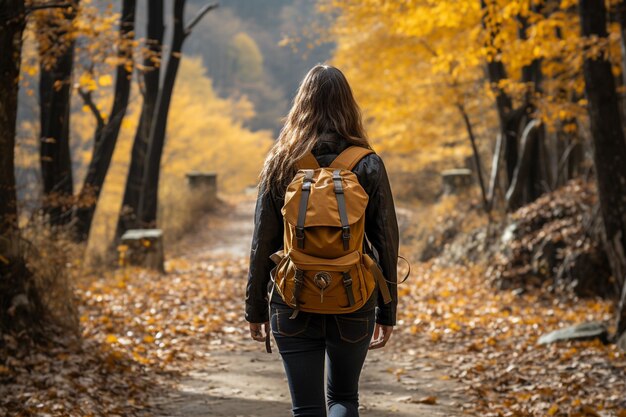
(55, 34)
(18, 297)
(443, 66)
(202, 127)
(609, 146)
(145, 212)
(107, 128)
(149, 86)
(12, 23)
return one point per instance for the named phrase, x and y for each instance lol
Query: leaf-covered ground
(176, 344)
(489, 341)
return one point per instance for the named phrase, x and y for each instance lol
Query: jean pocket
(283, 325)
(353, 329)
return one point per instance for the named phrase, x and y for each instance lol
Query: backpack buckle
(345, 234)
(347, 284)
(347, 280)
(300, 236)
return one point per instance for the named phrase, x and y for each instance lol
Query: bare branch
(140, 81)
(564, 160)
(428, 48)
(528, 139)
(495, 170)
(88, 100)
(34, 7)
(206, 9)
(479, 169)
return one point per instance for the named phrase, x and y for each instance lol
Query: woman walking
(331, 314)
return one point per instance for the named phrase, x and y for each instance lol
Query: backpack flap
(324, 211)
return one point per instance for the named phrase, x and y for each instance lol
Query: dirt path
(240, 379)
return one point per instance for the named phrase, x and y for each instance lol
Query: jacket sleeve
(381, 229)
(267, 238)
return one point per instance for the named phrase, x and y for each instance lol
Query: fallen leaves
(487, 340)
(555, 240)
(430, 400)
(70, 377)
(141, 330)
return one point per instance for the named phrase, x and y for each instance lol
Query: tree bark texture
(106, 137)
(148, 201)
(609, 147)
(523, 180)
(17, 298)
(55, 90)
(621, 17)
(476, 155)
(12, 22)
(151, 76)
(504, 104)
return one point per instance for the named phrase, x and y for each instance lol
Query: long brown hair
(324, 103)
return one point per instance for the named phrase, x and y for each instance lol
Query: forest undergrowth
(487, 328)
(141, 331)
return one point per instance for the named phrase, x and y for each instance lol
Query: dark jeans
(304, 344)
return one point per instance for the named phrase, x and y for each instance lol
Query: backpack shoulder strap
(308, 161)
(350, 157)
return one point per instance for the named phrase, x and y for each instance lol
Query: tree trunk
(106, 136)
(621, 17)
(609, 147)
(55, 90)
(13, 273)
(148, 201)
(477, 163)
(495, 170)
(536, 161)
(571, 152)
(130, 205)
(504, 105)
(523, 181)
(12, 22)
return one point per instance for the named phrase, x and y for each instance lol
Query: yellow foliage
(246, 57)
(105, 80)
(413, 63)
(86, 82)
(204, 133)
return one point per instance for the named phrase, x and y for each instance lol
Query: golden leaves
(87, 82)
(105, 80)
(494, 354)
(111, 338)
(412, 63)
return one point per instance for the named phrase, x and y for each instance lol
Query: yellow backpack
(322, 268)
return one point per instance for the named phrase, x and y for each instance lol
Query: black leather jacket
(381, 230)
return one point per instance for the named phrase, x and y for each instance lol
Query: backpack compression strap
(304, 202)
(343, 211)
(350, 157)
